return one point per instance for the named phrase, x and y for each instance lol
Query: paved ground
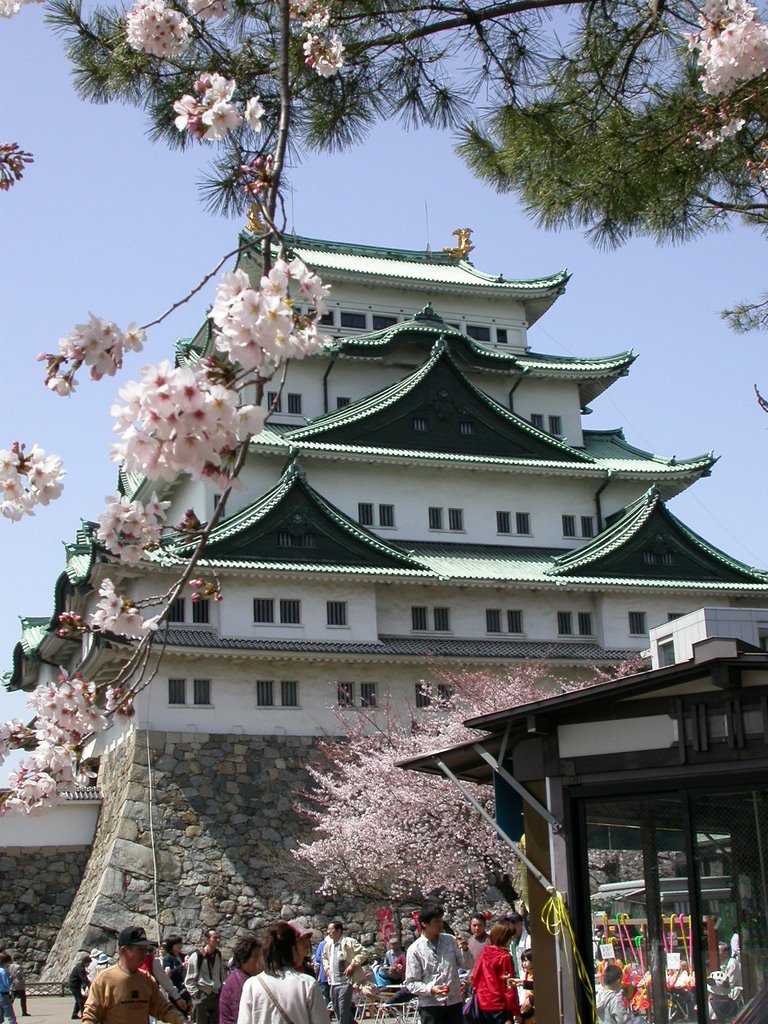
(46, 1010)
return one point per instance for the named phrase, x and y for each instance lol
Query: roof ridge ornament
(463, 246)
(428, 313)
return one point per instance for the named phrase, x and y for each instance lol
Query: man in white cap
(123, 994)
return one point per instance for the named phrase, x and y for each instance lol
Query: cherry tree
(385, 834)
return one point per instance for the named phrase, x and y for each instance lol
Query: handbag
(472, 1013)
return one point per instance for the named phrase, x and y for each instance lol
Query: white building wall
(69, 824)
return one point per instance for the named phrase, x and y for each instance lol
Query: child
(6, 1006)
(611, 1005)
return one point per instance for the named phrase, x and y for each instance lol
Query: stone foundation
(223, 823)
(38, 888)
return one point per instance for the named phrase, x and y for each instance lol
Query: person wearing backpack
(205, 976)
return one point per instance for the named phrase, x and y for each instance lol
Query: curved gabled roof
(414, 270)
(436, 408)
(646, 540)
(293, 525)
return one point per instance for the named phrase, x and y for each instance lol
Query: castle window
(380, 322)
(501, 336)
(343, 401)
(503, 522)
(658, 558)
(523, 522)
(265, 697)
(419, 617)
(420, 424)
(564, 624)
(569, 526)
(537, 420)
(289, 693)
(423, 699)
(466, 427)
(556, 425)
(585, 624)
(274, 401)
(263, 609)
(587, 526)
(637, 624)
(178, 612)
(327, 320)
(386, 515)
(288, 539)
(336, 613)
(493, 620)
(202, 691)
(177, 691)
(515, 620)
(455, 519)
(294, 404)
(442, 619)
(365, 513)
(666, 652)
(354, 320)
(345, 694)
(201, 612)
(479, 333)
(435, 518)
(290, 612)
(368, 698)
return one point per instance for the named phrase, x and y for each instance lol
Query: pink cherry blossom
(99, 344)
(324, 54)
(151, 27)
(732, 45)
(209, 8)
(127, 527)
(28, 479)
(116, 613)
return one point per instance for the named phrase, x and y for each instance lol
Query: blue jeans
(6, 1008)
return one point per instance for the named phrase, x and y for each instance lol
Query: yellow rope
(555, 918)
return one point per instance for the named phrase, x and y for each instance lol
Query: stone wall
(223, 826)
(38, 888)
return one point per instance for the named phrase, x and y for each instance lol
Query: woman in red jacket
(493, 978)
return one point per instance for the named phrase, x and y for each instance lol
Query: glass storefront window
(677, 887)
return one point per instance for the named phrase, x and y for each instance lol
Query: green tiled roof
(439, 394)
(33, 630)
(316, 531)
(647, 540)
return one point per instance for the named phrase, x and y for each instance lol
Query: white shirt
(297, 995)
(428, 964)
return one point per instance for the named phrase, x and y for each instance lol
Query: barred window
(455, 518)
(178, 612)
(478, 333)
(501, 336)
(355, 320)
(289, 693)
(368, 697)
(275, 401)
(343, 401)
(294, 404)
(365, 513)
(523, 522)
(290, 612)
(493, 620)
(585, 624)
(386, 515)
(503, 522)
(537, 420)
(177, 691)
(637, 624)
(287, 539)
(420, 424)
(435, 518)
(556, 425)
(336, 613)
(442, 619)
(419, 617)
(265, 697)
(263, 609)
(345, 694)
(423, 699)
(564, 624)
(587, 526)
(201, 611)
(380, 322)
(202, 689)
(569, 526)
(515, 620)
(466, 427)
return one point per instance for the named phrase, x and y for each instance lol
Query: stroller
(724, 1000)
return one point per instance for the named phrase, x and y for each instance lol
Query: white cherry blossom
(151, 27)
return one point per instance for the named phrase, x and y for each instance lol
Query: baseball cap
(301, 930)
(134, 937)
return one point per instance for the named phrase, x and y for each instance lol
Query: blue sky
(107, 222)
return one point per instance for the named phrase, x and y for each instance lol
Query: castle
(424, 495)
